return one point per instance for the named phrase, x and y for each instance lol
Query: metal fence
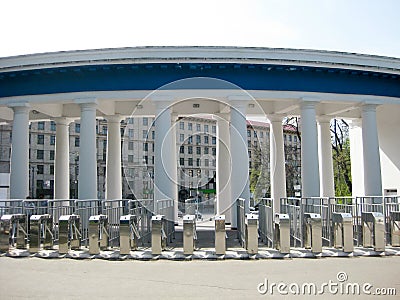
(241, 219)
(266, 220)
(294, 208)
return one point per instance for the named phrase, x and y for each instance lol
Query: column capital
(62, 120)
(20, 107)
(369, 106)
(276, 117)
(86, 103)
(114, 118)
(324, 119)
(307, 103)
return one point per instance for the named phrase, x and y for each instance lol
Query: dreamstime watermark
(340, 286)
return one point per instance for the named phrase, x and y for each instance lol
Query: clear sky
(362, 26)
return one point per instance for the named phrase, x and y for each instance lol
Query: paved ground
(35, 278)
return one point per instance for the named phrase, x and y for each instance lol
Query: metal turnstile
(41, 231)
(313, 232)
(282, 233)
(251, 224)
(343, 231)
(128, 234)
(158, 236)
(189, 234)
(98, 233)
(69, 235)
(220, 235)
(13, 232)
(395, 228)
(373, 228)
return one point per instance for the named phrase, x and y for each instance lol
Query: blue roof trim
(152, 76)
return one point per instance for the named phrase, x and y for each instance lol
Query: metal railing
(241, 220)
(266, 220)
(294, 208)
(165, 207)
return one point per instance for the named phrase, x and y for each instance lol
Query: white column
(113, 160)
(163, 147)
(277, 161)
(309, 150)
(19, 177)
(357, 158)
(240, 187)
(372, 163)
(61, 164)
(327, 183)
(224, 168)
(87, 188)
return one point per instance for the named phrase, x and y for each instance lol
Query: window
(190, 126)
(40, 169)
(190, 149)
(249, 154)
(206, 150)
(206, 162)
(255, 133)
(40, 154)
(145, 121)
(206, 139)
(40, 139)
(198, 150)
(53, 126)
(40, 126)
(262, 134)
(153, 134)
(198, 139)
(181, 137)
(182, 161)
(249, 144)
(190, 161)
(51, 169)
(130, 120)
(255, 144)
(104, 130)
(214, 129)
(152, 161)
(198, 127)
(39, 184)
(130, 133)
(181, 125)
(145, 147)
(198, 164)
(77, 127)
(52, 140)
(51, 155)
(146, 159)
(190, 140)
(213, 140)
(77, 141)
(152, 147)
(248, 133)
(214, 151)
(182, 149)
(144, 134)
(290, 138)
(130, 158)
(205, 128)
(295, 138)
(130, 146)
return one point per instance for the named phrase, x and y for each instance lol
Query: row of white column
(232, 155)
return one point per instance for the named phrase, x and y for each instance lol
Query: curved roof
(242, 55)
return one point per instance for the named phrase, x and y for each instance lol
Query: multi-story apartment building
(196, 157)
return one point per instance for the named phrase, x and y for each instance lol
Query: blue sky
(361, 26)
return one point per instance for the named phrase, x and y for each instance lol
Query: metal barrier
(282, 233)
(41, 231)
(143, 210)
(98, 234)
(13, 232)
(158, 236)
(373, 230)
(294, 208)
(266, 221)
(189, 233)
(251, 233)
(128, 234)
(313, 232)
(11, 207)
(321, 206)
(113, 209)
(395, 228)
(165, 207)
(220, 235)
(241, 221)
(69, 235)
(348, 205)
(343, 231)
